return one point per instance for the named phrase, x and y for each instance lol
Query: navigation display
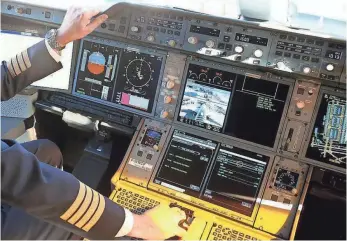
(328, 139)
(185, 164)
(137, 79)
(206, 97)
(256, 110)
(236, 179)
(123, 76)
(97, 71)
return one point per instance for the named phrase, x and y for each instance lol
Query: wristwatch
(51, 37)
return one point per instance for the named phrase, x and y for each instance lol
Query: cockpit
(234, 111)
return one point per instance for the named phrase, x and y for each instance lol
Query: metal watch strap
(51, 37)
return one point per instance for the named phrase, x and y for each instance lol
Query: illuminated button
(164, 114)
(258, 53)
(306, 70)
(192, 40)
(238, 49)
(295, 191)
(156, 147)
(170, 84)
(172, 43)
(280, 65)
(300, 104)
(167, 99)
(329, 67)
(150, 38)
(134, 29)
(310, 92)
(210, 43)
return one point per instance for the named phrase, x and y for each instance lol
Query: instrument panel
(221, 129)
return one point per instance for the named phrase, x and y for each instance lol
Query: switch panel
(145, 152)
(287, 179)
(303, 100)
(293, 138)
(170, 87)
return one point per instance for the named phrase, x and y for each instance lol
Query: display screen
(205, 31)
(185, 163)
(206, 97)
(236, 179)
(14, 42)
(333, 54)
(137, 80)
(286, 180)
(256, 110)
(151, 138)
(123, 76)
(328, 139)
(251, 39)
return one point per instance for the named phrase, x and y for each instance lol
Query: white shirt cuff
(127, 225)
(52, 52)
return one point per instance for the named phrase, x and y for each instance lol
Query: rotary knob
(280, 65)
(258, 53)
(150, 38)
(170, 84)
(238, 49)
(300, 105)
(330, 67)
(135, 29)
(172, 43)
(192, 40)
(167, 99)
(210, 43)
(306, 70)
(164, 114)
(294, 191)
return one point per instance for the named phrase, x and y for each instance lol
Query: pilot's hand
(77, 24)
(158, 223)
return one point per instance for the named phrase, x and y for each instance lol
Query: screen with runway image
(328, 139)
(206, 97)
(97, 70)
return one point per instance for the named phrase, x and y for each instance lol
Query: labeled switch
(47, 14)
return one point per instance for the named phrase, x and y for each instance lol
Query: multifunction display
(230, 177)
(208, 102)
(125, 76)
(236, 179)
(251, 39)
(151, 138)
(185, 164)
(206, 97)
(328, 140)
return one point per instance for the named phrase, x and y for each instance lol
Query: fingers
(91, 13)
(180, 232)
(96, 23)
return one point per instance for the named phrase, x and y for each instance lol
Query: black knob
(103, 25)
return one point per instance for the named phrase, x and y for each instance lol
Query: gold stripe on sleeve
(75, 205)
(83, 208)
(97, 214)
(26, 58)
(90, 212)
(21, 62)
(15, 66)
(10, 69)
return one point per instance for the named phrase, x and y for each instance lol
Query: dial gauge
(286, 179)
(138, 72)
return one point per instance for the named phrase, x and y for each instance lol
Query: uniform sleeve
(25, 68)
(57, 197)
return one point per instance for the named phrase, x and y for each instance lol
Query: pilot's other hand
(158, 223)
(77, 24)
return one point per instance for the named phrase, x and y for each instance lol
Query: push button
(149, 156)
(140, 153)
(47, 14)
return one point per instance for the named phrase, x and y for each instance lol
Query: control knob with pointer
(258, 53)
(210, 43)
(135, 29)
(238, 49)
(306, 70)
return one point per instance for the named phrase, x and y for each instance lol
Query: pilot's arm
(26, 67)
